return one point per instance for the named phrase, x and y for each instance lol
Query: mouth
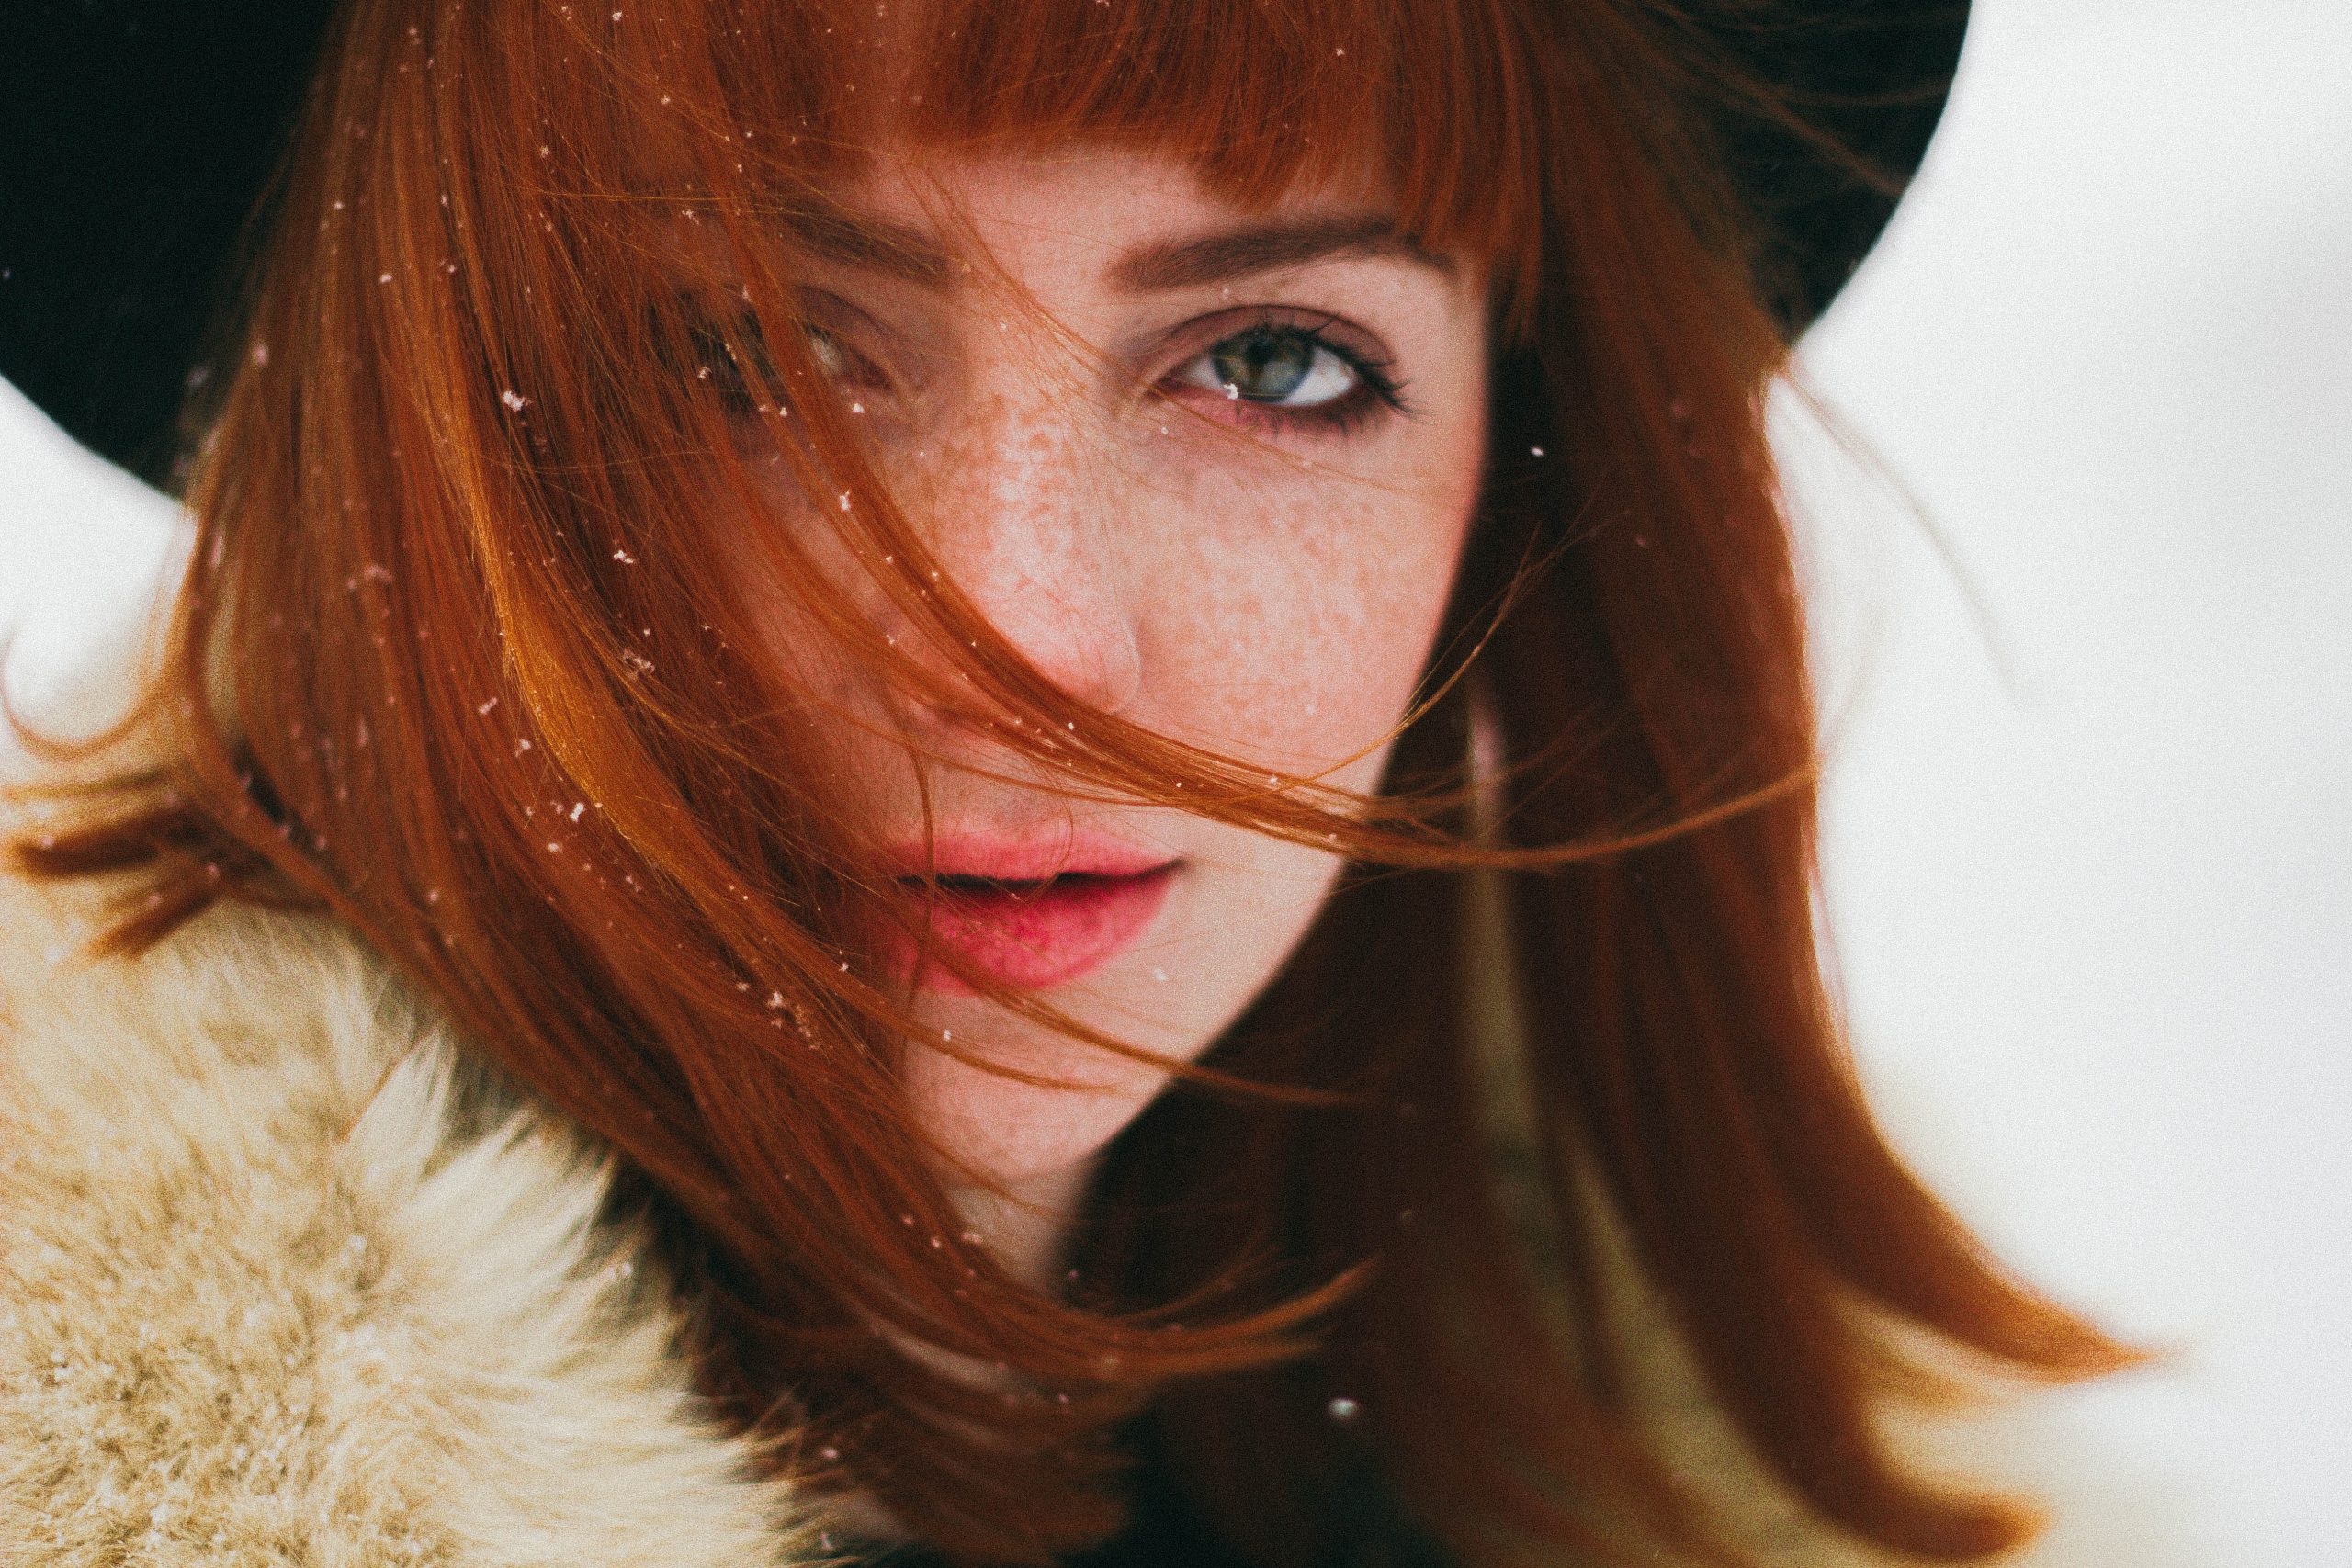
(1037, 930)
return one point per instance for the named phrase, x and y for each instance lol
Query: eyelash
(1377, 393)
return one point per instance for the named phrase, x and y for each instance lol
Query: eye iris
(1264, 366)
(832, 358)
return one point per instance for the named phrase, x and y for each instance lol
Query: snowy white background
(2089, 841)
(2090, 864)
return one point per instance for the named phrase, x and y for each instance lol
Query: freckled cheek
(1299, 639)
(792, 637)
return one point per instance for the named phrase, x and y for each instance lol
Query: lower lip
(1036, 939)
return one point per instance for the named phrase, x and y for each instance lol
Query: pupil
(1264, 366)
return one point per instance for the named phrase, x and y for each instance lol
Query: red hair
(458, 660)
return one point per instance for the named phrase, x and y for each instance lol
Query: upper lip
(1020, 857)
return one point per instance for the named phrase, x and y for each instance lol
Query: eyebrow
(904, 252)
(1263, 247)
(877, 244)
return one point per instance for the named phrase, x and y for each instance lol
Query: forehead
(1145, 223)
(1102, 220)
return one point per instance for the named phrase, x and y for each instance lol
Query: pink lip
(1074, 902)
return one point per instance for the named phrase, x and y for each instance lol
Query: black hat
(136, 136)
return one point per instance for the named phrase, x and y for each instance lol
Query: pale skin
(1215, 560)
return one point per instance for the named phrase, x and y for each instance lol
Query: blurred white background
(2089, 843)
(2090, 859)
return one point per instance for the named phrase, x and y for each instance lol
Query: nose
(1022, 514)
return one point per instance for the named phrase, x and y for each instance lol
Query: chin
(1007, 1133)
(1219, 941)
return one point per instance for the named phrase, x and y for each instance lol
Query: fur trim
(266, 1298)
(274, 1290)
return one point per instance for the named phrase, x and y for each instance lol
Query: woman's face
(1209, 469)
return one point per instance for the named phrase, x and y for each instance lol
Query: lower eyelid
(1343, 416)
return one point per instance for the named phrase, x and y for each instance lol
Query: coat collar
(279, 1280)
(270, 1290)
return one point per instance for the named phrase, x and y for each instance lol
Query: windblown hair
(463, 656)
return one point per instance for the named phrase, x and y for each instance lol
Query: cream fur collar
(265, 1297)
(272, 1291)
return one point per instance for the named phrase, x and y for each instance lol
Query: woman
(1025, 781)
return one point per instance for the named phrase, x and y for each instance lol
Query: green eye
(733, 375)
(831, 354)
(1262, 367)
(1283, 368)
